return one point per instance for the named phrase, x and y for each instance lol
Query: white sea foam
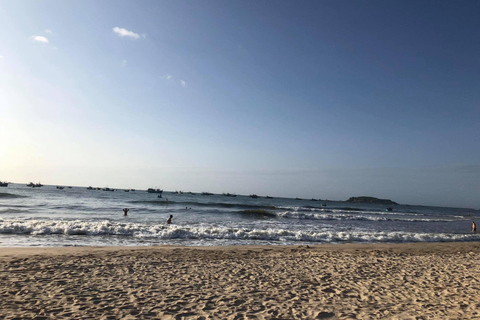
(208, 232)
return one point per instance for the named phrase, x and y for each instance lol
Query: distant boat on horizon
(34, 185)
(152, 190)
(3, 184)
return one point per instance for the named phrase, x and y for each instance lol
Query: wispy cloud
(48, 31)
(124, 63)
(2, 57)
(40, 39)
(121, 32)
(169, 77)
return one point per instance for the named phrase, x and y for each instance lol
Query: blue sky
(323, 99)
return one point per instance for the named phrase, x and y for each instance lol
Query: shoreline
(328, 281)
(416, 246)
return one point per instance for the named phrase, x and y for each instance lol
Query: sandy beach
(352, 281)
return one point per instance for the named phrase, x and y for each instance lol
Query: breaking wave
(208, 232)
(260, 213)
(342, 216)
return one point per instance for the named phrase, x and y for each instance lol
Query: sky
(311, 99)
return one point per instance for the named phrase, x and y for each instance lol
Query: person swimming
(169, 221)
(125, 211)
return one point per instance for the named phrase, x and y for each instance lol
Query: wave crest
(160, 232)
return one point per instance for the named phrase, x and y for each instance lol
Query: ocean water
(47, 216)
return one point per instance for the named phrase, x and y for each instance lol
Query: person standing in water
(474, 227)
(169, 221)
(125, 211)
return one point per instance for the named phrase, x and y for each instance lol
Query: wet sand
(352, 281)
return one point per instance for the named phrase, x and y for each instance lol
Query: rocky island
(370, 200)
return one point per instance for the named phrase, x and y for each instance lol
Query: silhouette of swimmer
(125, 211)
(170, 219)
(474, 227)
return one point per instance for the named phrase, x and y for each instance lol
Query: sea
(76, 216)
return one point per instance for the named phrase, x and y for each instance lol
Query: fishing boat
(34, 185)
(152, 190)
(3, 184)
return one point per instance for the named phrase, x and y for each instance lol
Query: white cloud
(2, 57)
(124, 63)
(169, 77)
(40, 39)
(48, 31)
(125, 33)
